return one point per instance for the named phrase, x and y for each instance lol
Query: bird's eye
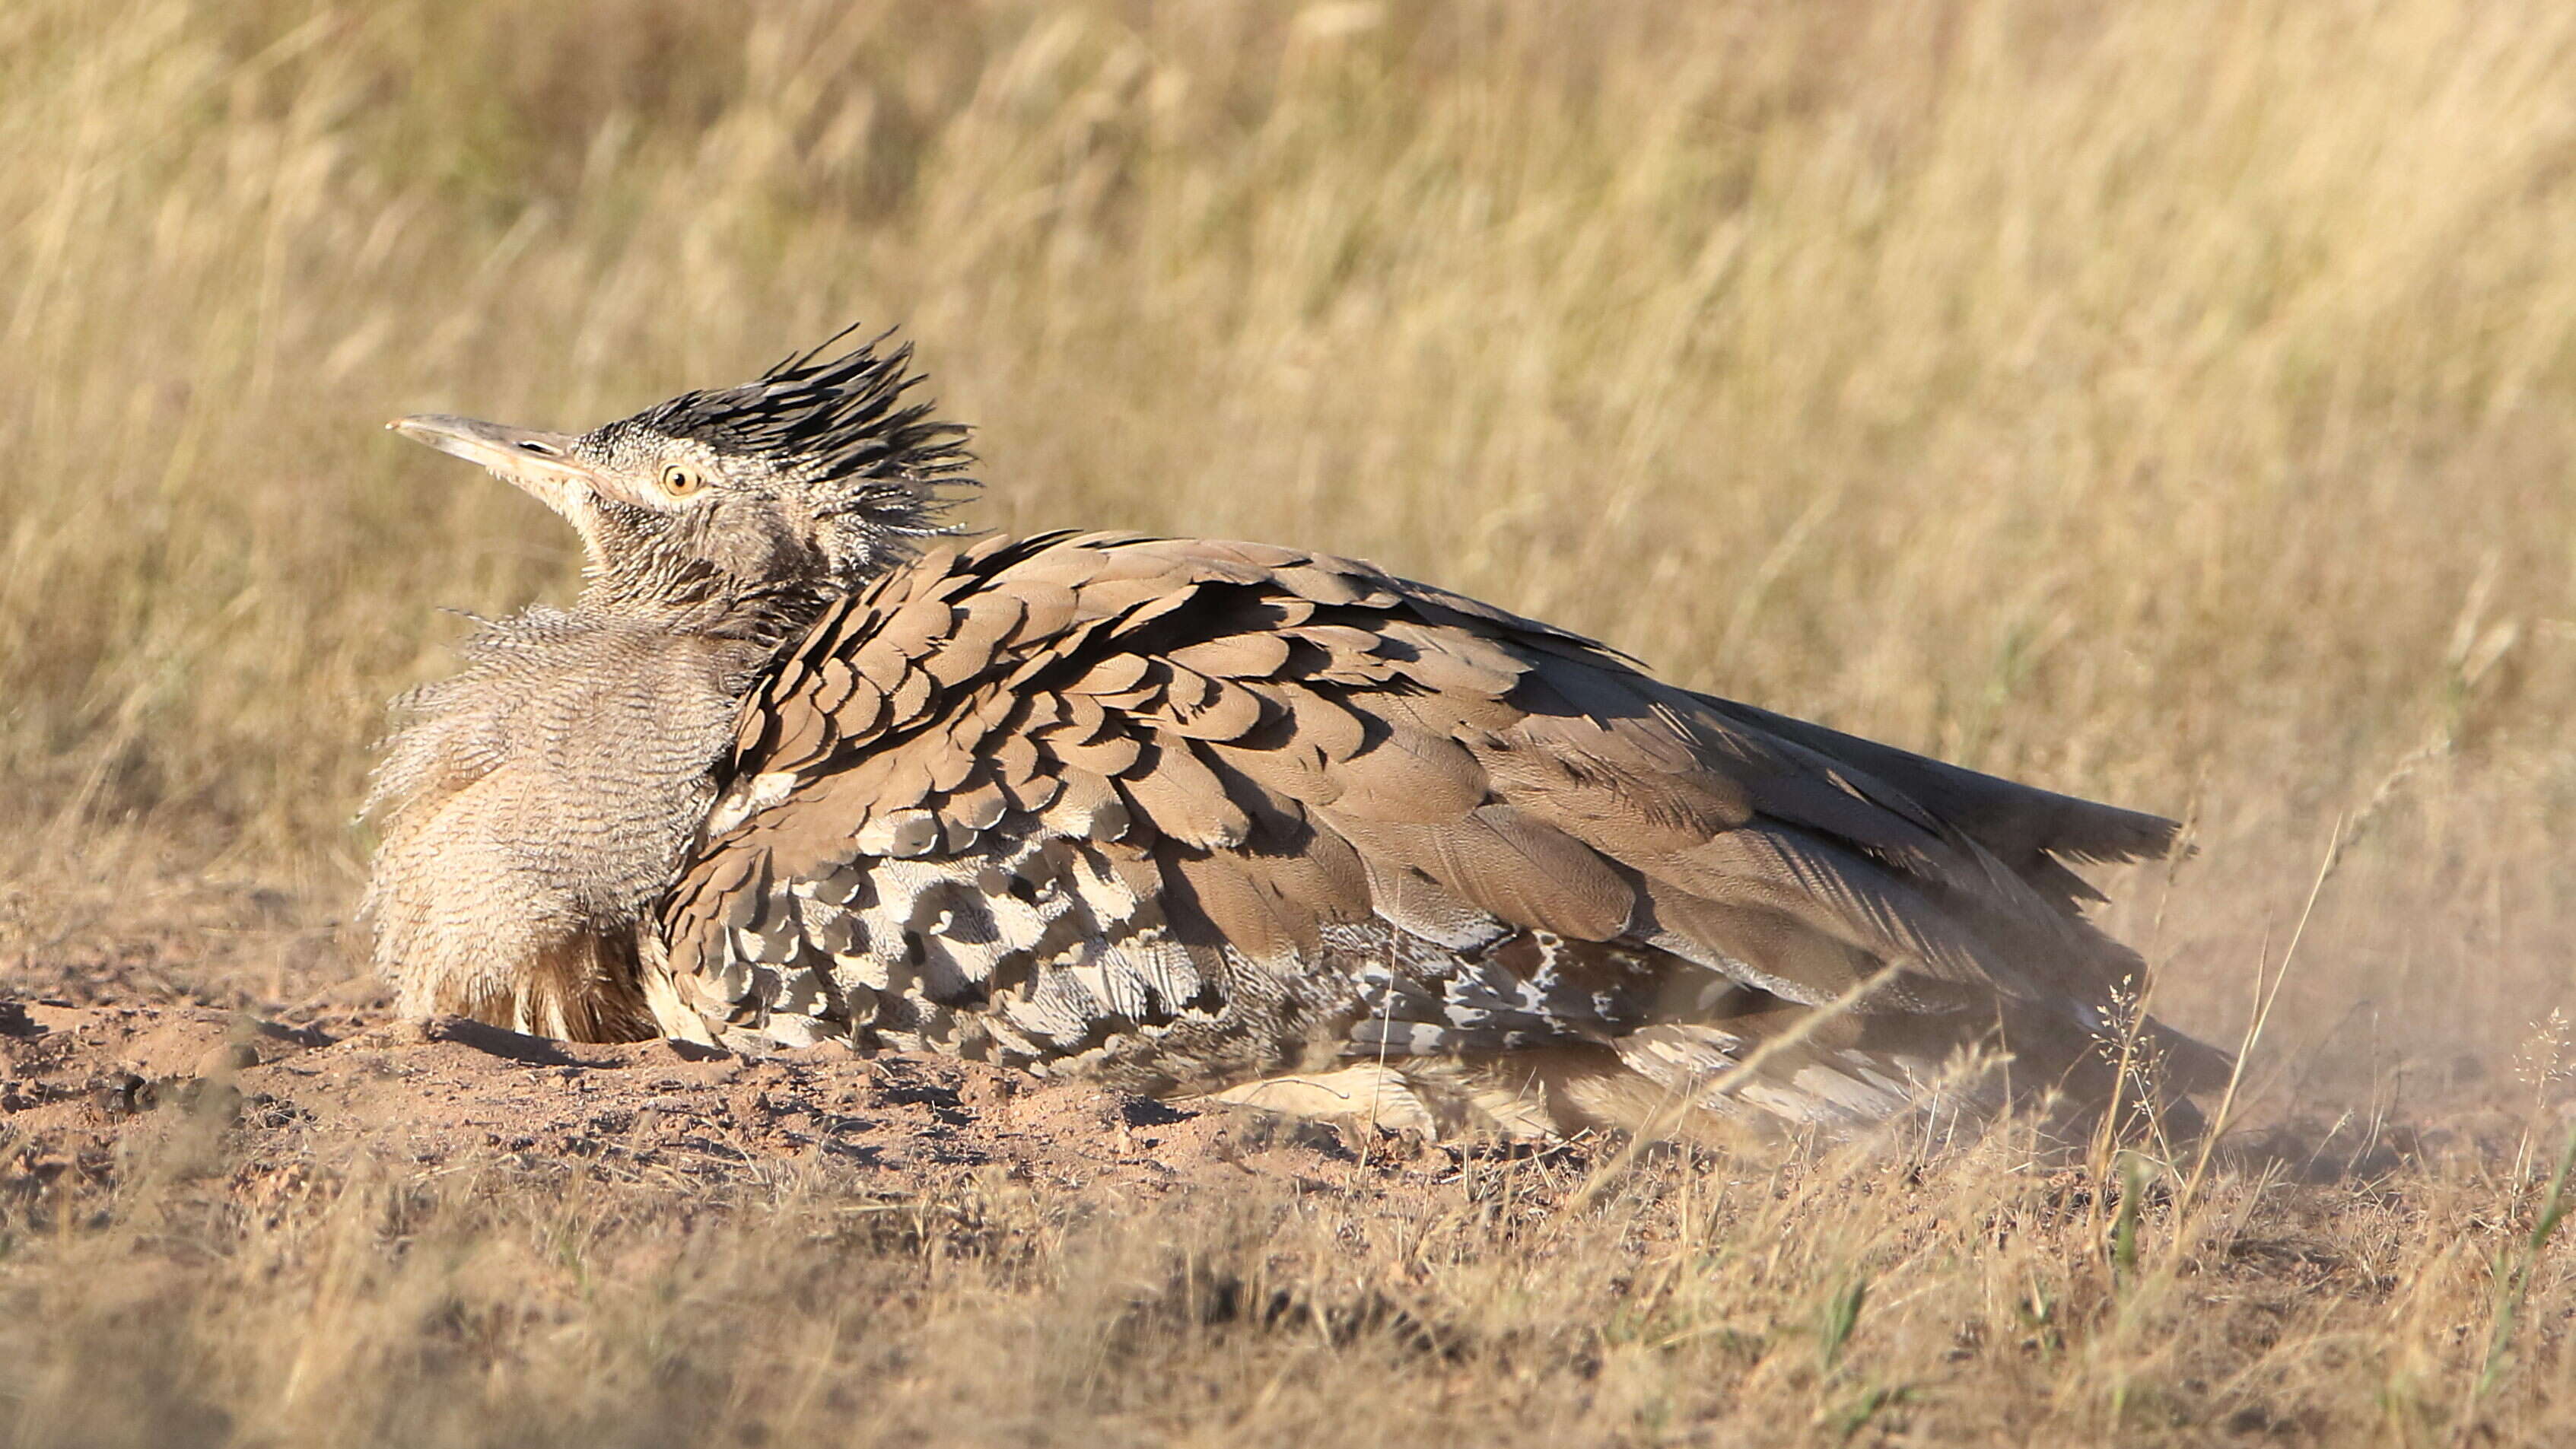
(680, 481)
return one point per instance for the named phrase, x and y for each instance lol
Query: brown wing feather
(1140, 764)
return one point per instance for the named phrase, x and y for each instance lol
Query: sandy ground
(88, 1088)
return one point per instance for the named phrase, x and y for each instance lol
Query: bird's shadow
(500, 1041)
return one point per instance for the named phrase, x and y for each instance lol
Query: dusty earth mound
(87, 1088)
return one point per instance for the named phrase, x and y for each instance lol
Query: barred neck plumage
(686, 597)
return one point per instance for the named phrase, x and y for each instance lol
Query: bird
(806, 761)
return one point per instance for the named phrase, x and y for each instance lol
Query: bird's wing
(1241, 754)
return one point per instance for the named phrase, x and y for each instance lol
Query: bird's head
(818, 473)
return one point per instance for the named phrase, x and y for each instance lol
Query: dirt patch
(91, 1091)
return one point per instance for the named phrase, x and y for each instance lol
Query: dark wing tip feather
(2013, 820)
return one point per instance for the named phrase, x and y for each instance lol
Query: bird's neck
(535, 804)
(701, 603)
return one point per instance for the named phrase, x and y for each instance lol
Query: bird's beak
(541, 463)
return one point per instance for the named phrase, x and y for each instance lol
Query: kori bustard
(1191, 816)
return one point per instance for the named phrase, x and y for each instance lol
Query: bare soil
(89, 1089)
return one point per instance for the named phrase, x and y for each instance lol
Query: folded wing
(1197, 813)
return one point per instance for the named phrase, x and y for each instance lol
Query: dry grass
(1966, 1301)
(2167, 403)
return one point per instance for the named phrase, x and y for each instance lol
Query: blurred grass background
(2164, 403)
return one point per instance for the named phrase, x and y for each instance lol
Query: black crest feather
(839, 418)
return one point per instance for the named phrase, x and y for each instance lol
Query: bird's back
(1203, 816)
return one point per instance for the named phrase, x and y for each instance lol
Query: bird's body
(1195, 816)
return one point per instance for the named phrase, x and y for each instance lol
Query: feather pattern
(1216, 817)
